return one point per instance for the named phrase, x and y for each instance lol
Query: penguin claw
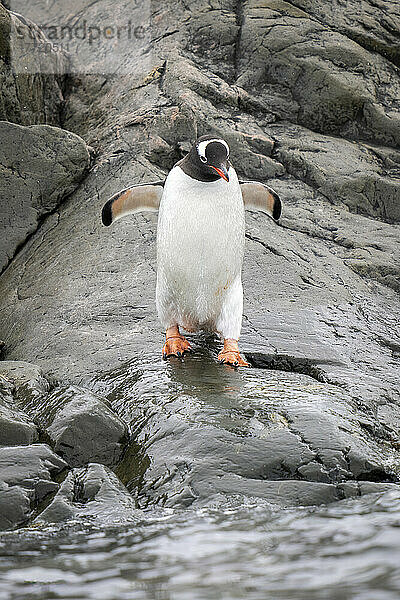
(175, 346)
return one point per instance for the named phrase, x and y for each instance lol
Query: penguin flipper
(258, 196)
(131, 200)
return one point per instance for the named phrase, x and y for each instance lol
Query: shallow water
(350, 549)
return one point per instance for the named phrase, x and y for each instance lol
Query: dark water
(350, 549)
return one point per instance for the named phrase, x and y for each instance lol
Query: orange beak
(221, 172)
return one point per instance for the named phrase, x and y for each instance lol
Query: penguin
(200, 243)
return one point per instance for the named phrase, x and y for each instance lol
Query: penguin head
(213, 154)
(208, 159)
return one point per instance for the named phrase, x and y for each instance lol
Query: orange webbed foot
(232, 358)
(175, 346)
(230, 354)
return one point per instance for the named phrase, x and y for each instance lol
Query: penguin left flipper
(131, 200)
(258, 196)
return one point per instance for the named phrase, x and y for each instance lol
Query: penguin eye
(203, 159)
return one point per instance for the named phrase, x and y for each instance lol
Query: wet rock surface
(26, 379)
(27, 476)
(15, 426)
(307, 102)
(335, 84)
(367, 181)
(81, 426)
(20, 383)
(202, 433)
(91, 494)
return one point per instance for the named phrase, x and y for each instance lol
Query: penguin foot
(232, 358)
(230, 354)
(175, 346)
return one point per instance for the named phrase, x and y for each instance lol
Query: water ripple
(347, 550)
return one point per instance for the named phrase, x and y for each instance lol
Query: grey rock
(28, 380)
(202, 431)
(30, 92)
(15, 506)
(369, 487)
(92, 494)
(366, 181)
(376, 30)
(369, 247)
(316, 418)
(39, 166)
(313, 471)
(335, 83)
(281, 493)
(26, 477)
(351, 490)
(22, 385)
(15, 426)
(31, 467)
(81, 426)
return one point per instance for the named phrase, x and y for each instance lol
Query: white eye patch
(201, 148)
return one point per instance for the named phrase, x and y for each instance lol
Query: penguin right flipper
(258, 196)
(131, 200)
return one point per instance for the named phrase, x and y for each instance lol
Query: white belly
(200, 244)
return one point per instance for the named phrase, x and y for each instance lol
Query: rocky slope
(307, 96)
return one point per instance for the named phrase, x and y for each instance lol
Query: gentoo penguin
(200, 243)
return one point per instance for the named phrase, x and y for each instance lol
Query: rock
(358, 176)
(369, 247)
(15, 426)
(31, 82)
(22, 386)
(202, 431)
(376, 30)
(301, 102)
(15, 506)
(334, 83)
(27, 379)
(81, 426)
(94, 494)
(26, 477)
(40, 165)
(31, 467)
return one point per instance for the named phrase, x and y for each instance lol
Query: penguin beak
(222, 171)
